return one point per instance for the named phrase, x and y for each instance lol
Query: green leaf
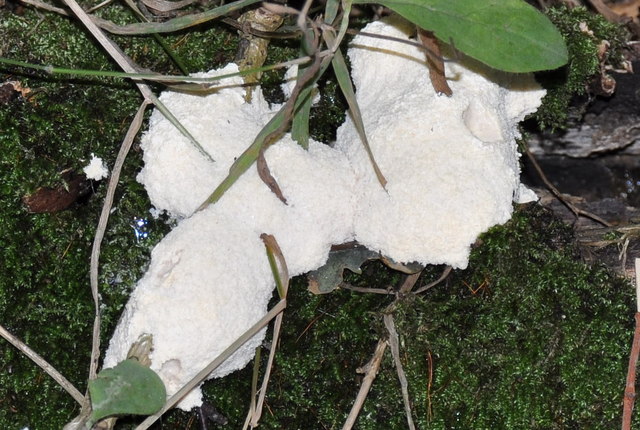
(331, 11)
(126, 389)
(300, 122)
(344, 80)
(508, 35)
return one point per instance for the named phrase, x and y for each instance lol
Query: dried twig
(409, 283)
(370, 370)
(348, 286)
(395, 352)
(630, 389)
(576, 211)
(134, 127)
(45, 6)
(44, 365)
(443, 276)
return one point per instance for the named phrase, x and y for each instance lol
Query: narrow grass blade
(281, 276)
(197, 83)
(165, 46)
(331, 11)
(269, 132)
(174, 24)
(300, 123)
(247, 158)
(344, 80)
(279, 267)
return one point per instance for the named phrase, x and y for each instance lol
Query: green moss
(44, 288)
(565, 84)
(542, 344)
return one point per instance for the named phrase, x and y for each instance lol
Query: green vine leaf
(508, 35)
(129, 388)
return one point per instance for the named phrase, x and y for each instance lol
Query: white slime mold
(452, 171)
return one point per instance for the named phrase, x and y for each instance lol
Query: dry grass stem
(45, 6)
(202, 375)
(281, 275)
(576, 211)
(44, 365)
(134, 127)
(395, 352)
(370, 370)
(443, 276)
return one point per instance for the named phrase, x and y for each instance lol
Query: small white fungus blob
(451, 166)
(96, 169)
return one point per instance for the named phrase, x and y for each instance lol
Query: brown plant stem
(434, 62)
(630, 389)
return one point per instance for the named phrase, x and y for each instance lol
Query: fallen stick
(630, 389)
(370, 370)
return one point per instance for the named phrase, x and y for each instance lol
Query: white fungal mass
(451, 166)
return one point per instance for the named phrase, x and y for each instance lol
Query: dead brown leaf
(434, 62)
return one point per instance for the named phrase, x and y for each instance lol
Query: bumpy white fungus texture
(209, 279)
(96, 169)
(452, 172)
(451, 162)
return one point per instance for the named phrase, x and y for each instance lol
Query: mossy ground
(527, 337)
(568, 87)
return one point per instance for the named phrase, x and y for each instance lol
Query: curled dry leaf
(434, 62)
(252, 50)
(49, 200)
(267, 178)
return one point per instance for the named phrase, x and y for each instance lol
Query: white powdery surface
(209, 279)
(452, 172)
(96, 169)
(451, 162)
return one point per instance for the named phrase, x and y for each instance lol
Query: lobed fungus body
(452, 171)
(451, 162)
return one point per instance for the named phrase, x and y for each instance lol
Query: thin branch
(409, 283)
(134, 127)
(576, 211)
(443, 276)
(43, 364)
(347, 286)
(630, 389)
(370, 370)
(45, 6)
(395, 352)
